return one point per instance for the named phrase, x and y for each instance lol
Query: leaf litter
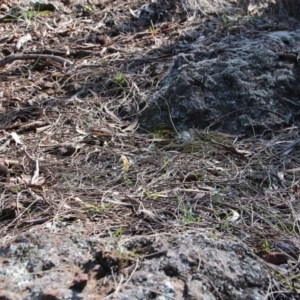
(71, 148)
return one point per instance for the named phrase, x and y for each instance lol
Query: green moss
(164, 133)
(211, 136)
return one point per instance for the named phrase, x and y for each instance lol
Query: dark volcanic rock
(232, 83)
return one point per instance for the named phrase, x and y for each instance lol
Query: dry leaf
(41, 129)
(16, 138)
(78, 130)
(23, 40)
(280, 175)
(132, 126)
(205, 209)
(199, 196)
(125, 163)
(234, 217)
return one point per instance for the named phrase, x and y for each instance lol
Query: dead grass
(63, 164)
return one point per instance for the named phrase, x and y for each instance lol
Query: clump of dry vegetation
(74, 81)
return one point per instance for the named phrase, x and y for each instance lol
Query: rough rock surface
(240, 81)
(194, 265)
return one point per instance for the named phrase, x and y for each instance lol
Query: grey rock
(193, 265)
(232, 84)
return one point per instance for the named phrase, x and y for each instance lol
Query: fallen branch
(12, 58)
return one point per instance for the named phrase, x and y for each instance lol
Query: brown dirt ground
(71, 149)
